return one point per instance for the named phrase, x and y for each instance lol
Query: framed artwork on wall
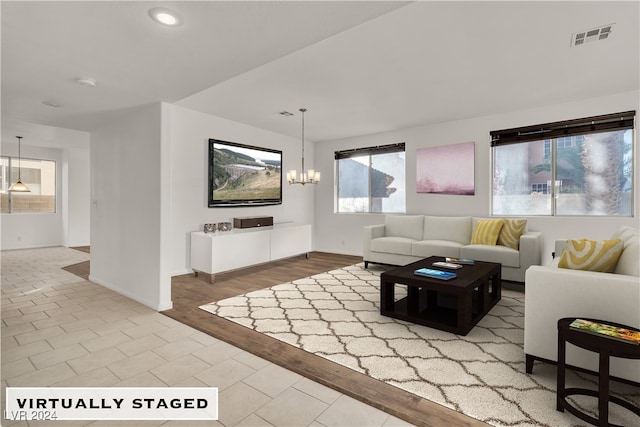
(446, 169)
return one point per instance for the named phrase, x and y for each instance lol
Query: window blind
(380, 149)
(603, 123)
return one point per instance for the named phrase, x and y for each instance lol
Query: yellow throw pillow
(487, 232)
(511, 232)
(591, 255)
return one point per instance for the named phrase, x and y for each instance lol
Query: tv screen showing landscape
(241, 175)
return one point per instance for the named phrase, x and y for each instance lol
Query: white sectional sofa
(553, 293)
(403, 239)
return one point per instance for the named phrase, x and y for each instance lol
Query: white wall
(70, 149)
(76, 210)
(129, 208)
(33, 230)
(190, 133)
(342, 233)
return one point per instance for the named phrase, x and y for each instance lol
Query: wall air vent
(594, 34)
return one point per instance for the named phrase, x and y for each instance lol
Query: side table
(606, 347)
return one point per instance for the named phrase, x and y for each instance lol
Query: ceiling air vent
(594, 34)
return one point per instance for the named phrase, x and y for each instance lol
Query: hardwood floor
(81, 269)
(189, 292)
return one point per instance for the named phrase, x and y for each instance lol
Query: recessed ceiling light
(165, 16)
(86, 81)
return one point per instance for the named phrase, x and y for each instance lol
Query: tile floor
(60, 330)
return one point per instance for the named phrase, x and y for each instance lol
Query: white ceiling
(359, 67)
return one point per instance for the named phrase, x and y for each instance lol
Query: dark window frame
(551, 132)
(361, 152)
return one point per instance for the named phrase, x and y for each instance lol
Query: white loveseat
(553, 293)
(403, 239)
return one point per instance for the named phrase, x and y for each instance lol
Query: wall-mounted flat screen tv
(243, 175)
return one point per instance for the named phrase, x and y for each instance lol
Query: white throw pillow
(628, 262)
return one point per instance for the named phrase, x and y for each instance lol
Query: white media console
(213, 253)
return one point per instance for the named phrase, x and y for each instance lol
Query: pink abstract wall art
(446, 169)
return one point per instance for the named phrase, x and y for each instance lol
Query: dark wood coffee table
(455, 305)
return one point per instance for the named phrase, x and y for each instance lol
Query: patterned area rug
(336, 315)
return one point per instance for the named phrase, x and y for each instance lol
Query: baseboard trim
(333, 251)
(153, 305)
(181, 272)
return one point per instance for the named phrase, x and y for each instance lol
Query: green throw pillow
(591, 255)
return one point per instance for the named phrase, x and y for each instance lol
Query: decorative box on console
(252, 221)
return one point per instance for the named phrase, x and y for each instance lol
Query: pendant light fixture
(310, 177)
(19, 186)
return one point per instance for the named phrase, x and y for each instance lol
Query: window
(576, 167)
(540, 188)
(38, 175)
(371, 179)
(4, 182)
